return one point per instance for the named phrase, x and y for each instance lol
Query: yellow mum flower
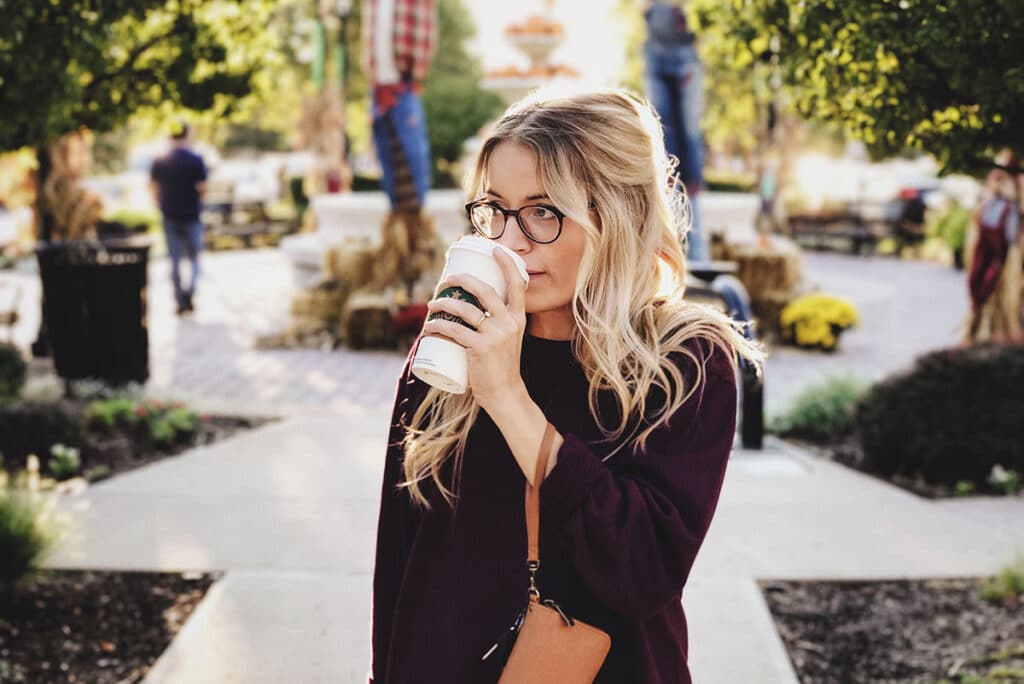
(817, 320)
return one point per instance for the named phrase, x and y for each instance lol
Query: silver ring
(484, 317)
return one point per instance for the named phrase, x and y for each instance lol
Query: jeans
(183, 237)
(410, 123)
(674, 81)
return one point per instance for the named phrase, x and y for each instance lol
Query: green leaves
(80, 63)
(943, 77)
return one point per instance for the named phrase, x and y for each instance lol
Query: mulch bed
(93, 627)
(108, 451)
(897, 631)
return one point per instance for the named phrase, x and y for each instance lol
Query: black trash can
(94, 306)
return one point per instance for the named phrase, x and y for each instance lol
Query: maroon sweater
(617, 537)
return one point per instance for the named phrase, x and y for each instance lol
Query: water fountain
(536, 38)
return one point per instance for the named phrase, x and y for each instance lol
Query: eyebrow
(488, 191)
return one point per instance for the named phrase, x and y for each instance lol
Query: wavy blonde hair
(602, 161)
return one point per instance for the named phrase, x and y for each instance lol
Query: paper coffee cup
(440, 362)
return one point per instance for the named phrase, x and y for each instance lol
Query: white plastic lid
(482, 245)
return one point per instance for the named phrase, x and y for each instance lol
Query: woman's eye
(544, 213)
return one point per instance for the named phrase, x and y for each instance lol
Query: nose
(513, 236)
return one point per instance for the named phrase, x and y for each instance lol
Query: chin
(540, 304)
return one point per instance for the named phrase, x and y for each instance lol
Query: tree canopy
(939, 76)
(93, 63)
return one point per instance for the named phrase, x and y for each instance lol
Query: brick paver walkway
(907, 308)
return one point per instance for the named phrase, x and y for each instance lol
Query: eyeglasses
(539, 222)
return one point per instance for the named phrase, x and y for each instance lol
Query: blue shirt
(992, 217)
(667, 26)
(176, 176)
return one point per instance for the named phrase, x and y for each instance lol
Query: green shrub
(951, 418)
(964, 488)
(136, 220)
(183, 419)
(951, 226)
(159, 422)
(723, 181)
(108, 413)
(1006, 481)
(165, 424)
(32, 427)
(64, 461)
(97, 473)
(25, 534)
(13, 371)
(821, 413)
(1007, 587)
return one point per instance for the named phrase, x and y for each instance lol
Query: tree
(83, 63)
(455, 104)
(944, 77)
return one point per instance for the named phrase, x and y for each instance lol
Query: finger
(456, 332)
(451, 309)
(487, 298)
(515, 282)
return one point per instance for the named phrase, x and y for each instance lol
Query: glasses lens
(486, 219)
(541, 223)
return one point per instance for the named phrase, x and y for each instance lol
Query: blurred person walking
(178, 180)
(674, 84)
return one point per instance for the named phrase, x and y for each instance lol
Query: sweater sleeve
(632, 533)
(396, 524)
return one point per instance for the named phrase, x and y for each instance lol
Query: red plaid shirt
(415, 36)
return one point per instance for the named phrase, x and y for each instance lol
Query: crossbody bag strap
(533, 510)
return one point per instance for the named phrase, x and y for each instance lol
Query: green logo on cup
(455, 293)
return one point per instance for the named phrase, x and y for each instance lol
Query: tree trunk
(44, 232)
(44, 221)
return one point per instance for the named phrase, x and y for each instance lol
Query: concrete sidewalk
(289, 511)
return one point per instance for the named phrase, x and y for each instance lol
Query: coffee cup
(441, 362)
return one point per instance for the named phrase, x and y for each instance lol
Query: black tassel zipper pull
(503, 646)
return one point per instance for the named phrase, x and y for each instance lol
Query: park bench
(714, 283)
(850, 228)
(245, 221)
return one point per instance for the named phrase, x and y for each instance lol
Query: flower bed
(109, 435)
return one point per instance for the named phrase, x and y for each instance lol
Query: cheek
(560, 281)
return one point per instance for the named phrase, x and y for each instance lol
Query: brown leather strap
(533, 496)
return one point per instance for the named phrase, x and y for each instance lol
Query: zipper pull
(503, 646)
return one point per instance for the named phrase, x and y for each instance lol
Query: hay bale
(770, 268)
(409, 246)
(767, 309)
(350, 263)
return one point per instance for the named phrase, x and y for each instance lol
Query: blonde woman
(638, 383)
